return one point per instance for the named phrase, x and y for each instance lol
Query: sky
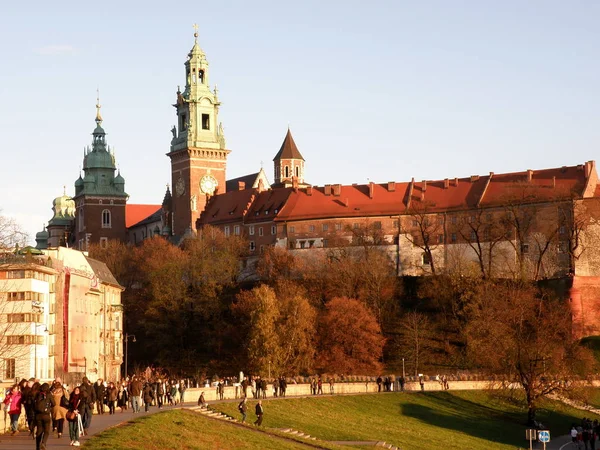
(372, 91)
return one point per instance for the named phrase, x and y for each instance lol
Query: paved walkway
(22, 440)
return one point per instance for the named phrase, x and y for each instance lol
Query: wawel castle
(539, 224)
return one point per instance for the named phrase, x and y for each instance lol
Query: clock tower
(198, 154)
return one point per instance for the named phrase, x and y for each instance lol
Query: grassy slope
(453, 420)
(186, 431)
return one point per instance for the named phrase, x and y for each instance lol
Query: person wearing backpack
(243, 407)
(44, 402)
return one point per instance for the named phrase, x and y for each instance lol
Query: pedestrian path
(100, 422)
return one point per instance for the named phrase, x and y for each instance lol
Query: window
(292, 229)
(226, 230)
(325, 227)
(377, 225)
(302, 244)
(205, 122)
(473, 236)
(298, 171)
(9, 368)
(236, 230)
(106, 218)
(440, 220)
(453, 220)
(325, 243)
(440, 238)
(562, 229)
(525, 248)
(311, 228)
(251, 230)
(273, 229)
(415, 223)
(425, 259)
(311, 244)
(486, 235)
(471, 219)
(260, 231)
(103, 242)
(23, 317)
(453, 238)
(287, 171)
(338, 227)
(356, 226)
(252, 246)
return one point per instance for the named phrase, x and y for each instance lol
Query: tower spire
(98, 106)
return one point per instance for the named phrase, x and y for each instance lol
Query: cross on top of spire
(98, 106)
(195, 32)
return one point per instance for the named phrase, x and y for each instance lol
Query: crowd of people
(47, 406)
(586, 434)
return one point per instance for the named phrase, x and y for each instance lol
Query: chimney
(371, 189)
(337, 189)
(446, 183)
(346, 202)
(308, 190)
(327, 189)
(424, 185)
(456, 182)
(529, 175)
(391, 186)
(589, 166)
(295, 183)
(422, 195)
(241, 185)
(474, 178)
(553, 182)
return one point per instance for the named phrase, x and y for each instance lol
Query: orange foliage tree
(350, 339)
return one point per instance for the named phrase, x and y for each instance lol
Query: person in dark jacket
(77, 404)
(148, 393)
(112, 394)
(263, 387)
(259, 413)
(202, 400)
(44, 402)
(88, 396)
(243, 407)
(135, 388)
(29, 393)
(100, 392)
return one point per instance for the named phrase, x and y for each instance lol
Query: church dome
(64, 210)
(41, 239)
(79, 182)
(119, 179)
(99, 160)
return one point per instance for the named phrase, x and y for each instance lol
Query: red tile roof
(228, 207)
(136, 213)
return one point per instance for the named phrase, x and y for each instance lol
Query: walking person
(320, 386)
(243, 407)
(422, 383)
(61, 402)
(112, 395)
(88, 398)
(259, 413)
(100, 391)
(135, 389)
(122, 398)
(74, 415)
(13, 401)
(44, 402)
(402, 381)
(148, 393)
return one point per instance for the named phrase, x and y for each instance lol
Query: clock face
(208, 184)
(180, 186)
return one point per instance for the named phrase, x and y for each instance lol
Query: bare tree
(11, 233)
(415, 329)
(425, 230)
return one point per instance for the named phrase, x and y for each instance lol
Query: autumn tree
(350, 339)
(118, 258)
(277, 329)
(524, 337)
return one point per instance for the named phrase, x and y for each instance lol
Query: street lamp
(403, 373)
(127, 336)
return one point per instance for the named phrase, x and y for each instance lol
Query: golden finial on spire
(64, 190)
(98, 106)
(195, 32)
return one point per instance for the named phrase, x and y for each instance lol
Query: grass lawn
(476, 420)
(184, 430)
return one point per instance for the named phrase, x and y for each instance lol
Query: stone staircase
(289, 431)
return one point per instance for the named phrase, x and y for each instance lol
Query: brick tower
(198, 155)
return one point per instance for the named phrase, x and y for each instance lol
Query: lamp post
(36, 307)
(127, 336)
(403, 373)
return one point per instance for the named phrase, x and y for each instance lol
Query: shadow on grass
(497, 421)
(474, 419)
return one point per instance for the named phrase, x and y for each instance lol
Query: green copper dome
(41, 239)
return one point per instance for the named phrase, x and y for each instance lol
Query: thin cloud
(54, 50)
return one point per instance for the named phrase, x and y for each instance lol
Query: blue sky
(380, 90)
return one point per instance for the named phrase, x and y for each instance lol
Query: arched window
(106, 222)
(298, 171)
(287, 172)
